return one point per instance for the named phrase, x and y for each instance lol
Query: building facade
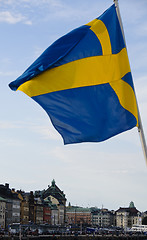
(24, 209)
(78, 215)
(103, 218)
(2, 212)
(46, 206)
(12, 205)
(127, 217)
(16, 211)
(38, 211)
(57, 200)
(47, 214)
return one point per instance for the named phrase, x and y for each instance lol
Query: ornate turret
(131, 205)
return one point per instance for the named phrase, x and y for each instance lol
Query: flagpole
(140, 127)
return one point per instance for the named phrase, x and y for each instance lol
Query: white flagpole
(140, 127)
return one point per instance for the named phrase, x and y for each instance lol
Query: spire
(53, 183)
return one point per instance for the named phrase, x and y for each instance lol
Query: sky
(111, 173)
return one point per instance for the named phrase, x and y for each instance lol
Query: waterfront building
(61, 214)
(46, 206)
(2, 212)
(24, 208)
(58, 203)
(143, 217)
(31, 208)
(16, 210)
(27, 207)
(54, 215)
(47, 213)
(38, 211)
(126, 217)
(12, 204)
(54, 199)
(78, 215)
(102, 217)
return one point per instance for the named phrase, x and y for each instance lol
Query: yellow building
(126, 217)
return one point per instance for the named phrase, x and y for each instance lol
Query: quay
(81, 237)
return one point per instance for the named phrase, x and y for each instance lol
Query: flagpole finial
(115, 2)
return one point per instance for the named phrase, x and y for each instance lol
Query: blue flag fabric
(84, 83)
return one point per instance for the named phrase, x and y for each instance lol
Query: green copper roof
(53, 183)
(77, 209)
(131, 205)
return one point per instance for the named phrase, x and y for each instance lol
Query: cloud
(8, 17)
(48, 10)
(27, 12)
(7, 74)
(93, 158)
(30, 6)
(52, 3)
(11, 142)
(15, 3)
(47, 132)
(9, 125)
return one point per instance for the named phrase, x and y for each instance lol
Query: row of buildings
(46, 206)
(123, 217)
(49, 206)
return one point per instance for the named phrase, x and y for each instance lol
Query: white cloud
(85, 158)
(8, 73)
(8, 17)
(49, 9)
(11, 142)
(28, 22)
(9, 125)
(27, 4)
(33, 2)
(53, 3)
(47, 132)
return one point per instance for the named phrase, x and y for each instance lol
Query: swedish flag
(83, 81)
